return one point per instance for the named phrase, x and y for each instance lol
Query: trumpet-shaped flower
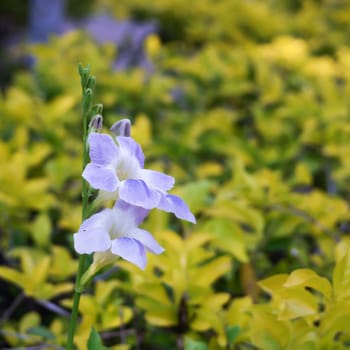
(114, 232)
(117, 170)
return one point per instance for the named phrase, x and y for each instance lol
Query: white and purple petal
(103, 150)
(130, 250)
(103, 218)
(177, 206)
(136, 192)
(128, 146)
(130, 213)
(157, 179)
(92, 240)
(147, 240)
(100, 178)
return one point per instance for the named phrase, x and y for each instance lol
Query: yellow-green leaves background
(247, 106)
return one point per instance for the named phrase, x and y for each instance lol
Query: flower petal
(103, 150)
(93, 240)
(130, 147)
(145, 238)
(102, 219)
(130, 213)
(157, 179)
(130, 250)
(121, 128)
(137, 193)
(100, 178)
(176, 205)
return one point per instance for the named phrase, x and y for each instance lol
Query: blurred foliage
(247, 107)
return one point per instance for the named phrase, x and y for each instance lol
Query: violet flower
(117, 170)
(114, 232)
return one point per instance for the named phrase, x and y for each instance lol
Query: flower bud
(121, 128)
(84, 74)
(91, 83)
(96, 123)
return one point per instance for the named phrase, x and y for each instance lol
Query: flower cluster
(116, 169)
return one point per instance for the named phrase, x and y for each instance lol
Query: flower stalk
(88, 84)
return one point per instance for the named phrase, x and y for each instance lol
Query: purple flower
(116, 169)
(115, 232)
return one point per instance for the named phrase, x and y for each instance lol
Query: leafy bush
(247, 106)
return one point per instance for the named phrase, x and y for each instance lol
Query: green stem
(76, 300)
(87, 83)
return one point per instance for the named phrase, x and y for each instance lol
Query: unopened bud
(96, 123)
(121, 128)
(88, 92)
(97, 108)
(84, 74)
(91, 83)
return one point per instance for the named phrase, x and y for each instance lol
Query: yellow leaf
(337, 318)
(208, 169)
(152, 45)
(240, 212)
(273, 284)
(40, 272)
(19, 106)
(12, 276)
(171, 241)
(57, 289)
(28, 259)
(119, 316)
(195, 194)
(120, 347)
(309, 278)
(157, 313)
(154, 291)
(341, 274)
(208, 273)
(28, 321)
(298, 303)
(88, 306)
(266, 331)
(59, 271)
(228, 237)
(103, 290)
(159, 319)
(196, 240)
(141, 130)
(302, 174)
(41, 230)
(215, 301)
(58, 107)
(200, 324)
(38, 153)
(238, 313)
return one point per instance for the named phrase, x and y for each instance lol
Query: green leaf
(195, 194)
(267, 342)
(94, 341)
(41, 331)
(195, 345)
(232, 333)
